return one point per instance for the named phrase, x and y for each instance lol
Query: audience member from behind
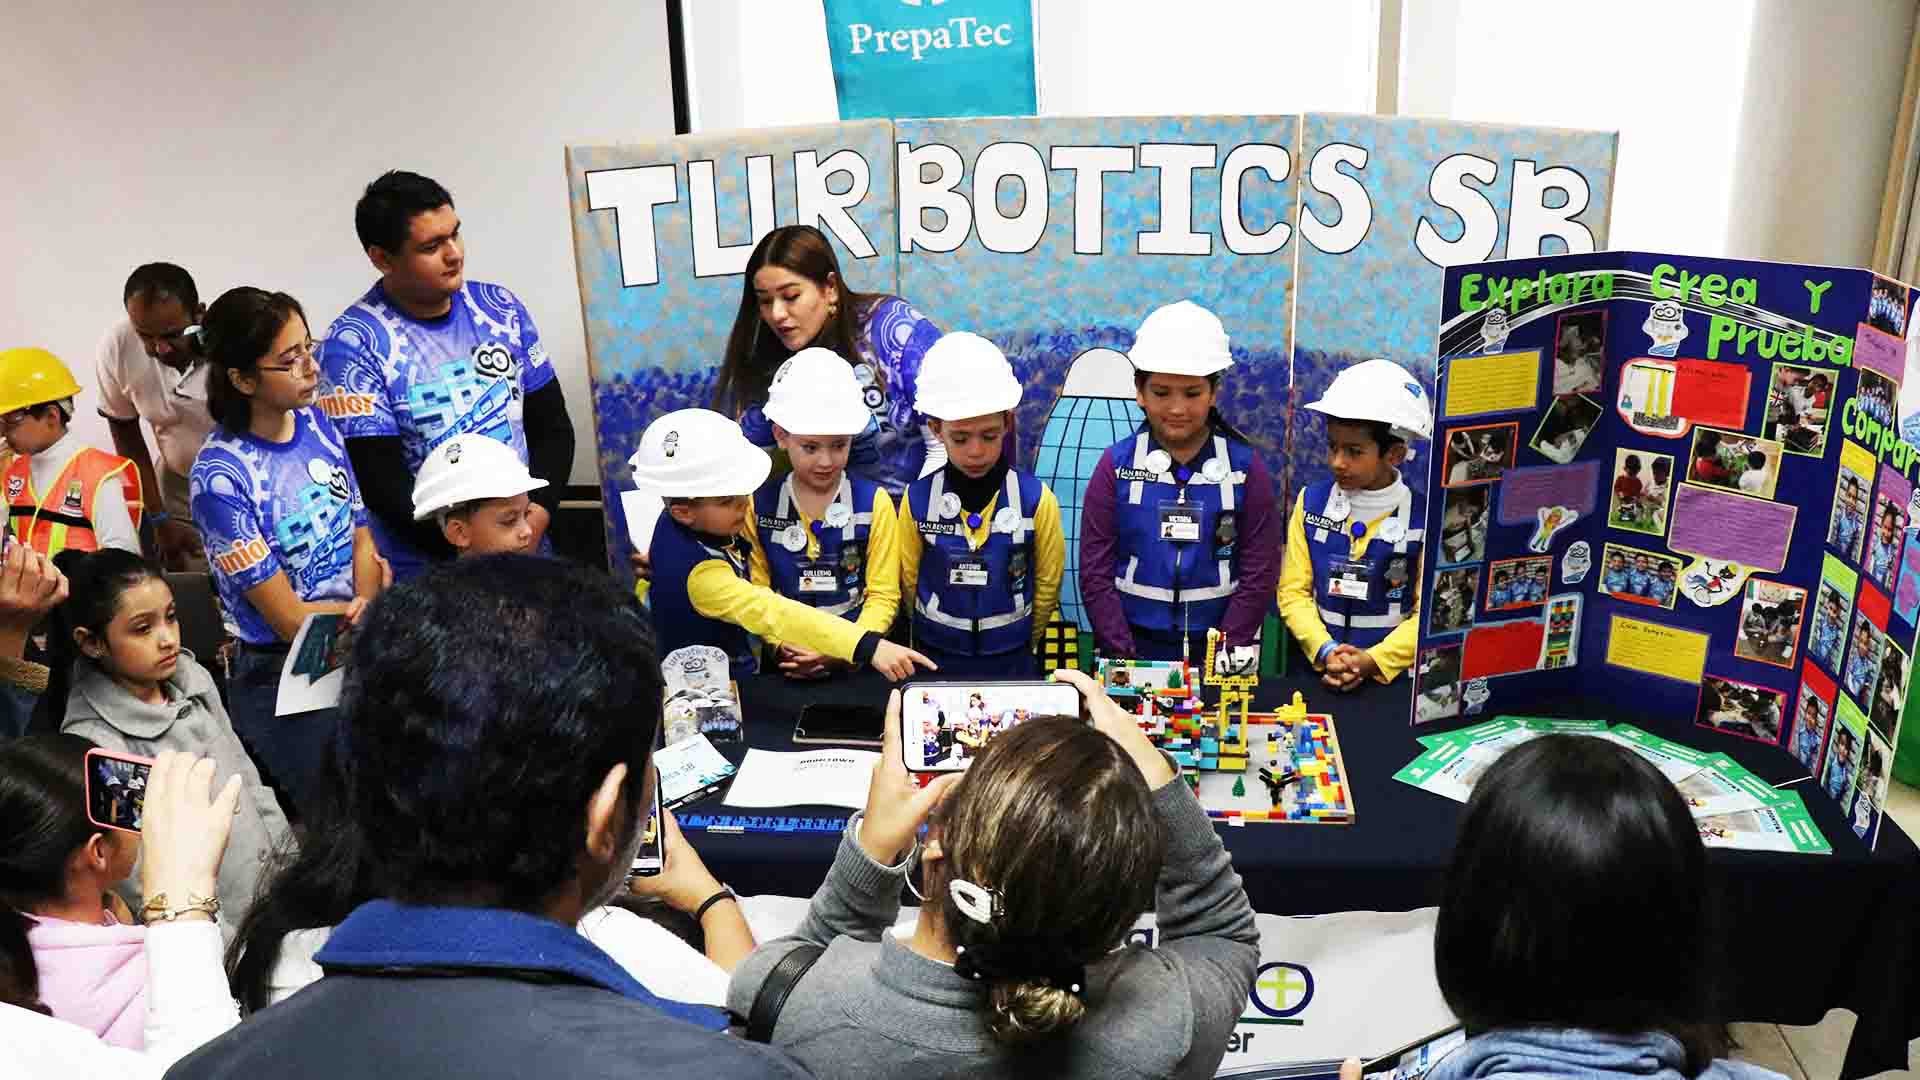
(1037, 862)
(476, 488)
(110, 987)
(494, 752)
(1563, 836)
(128, 685)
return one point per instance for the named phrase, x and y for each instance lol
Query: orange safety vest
(63, 518)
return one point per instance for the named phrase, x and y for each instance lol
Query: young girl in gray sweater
(1038, 860)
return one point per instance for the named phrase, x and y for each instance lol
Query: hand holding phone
(187, 826)
(651, 857)
(1120, 726)
(117, 789)
(683, 881)
(897, 805)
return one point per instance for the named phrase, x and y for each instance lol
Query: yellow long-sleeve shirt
(1394, 653)
(882, 590)
(1049, 553)
(716, 592)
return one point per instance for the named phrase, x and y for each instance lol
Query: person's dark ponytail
(43, 820)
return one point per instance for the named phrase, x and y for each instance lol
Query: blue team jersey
(1638, 581)
(268, 508)
(426, 380)
(1660, 590)
(1860, 672)
(1616, 580)
(1880, 556)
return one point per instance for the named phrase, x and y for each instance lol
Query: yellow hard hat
(33, 377)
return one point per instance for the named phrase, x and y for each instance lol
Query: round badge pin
(1006, 519)
(973, 521)
(949, 505)
(1358, 529)
(1158, 461)
(873, 397)
(1215, 470)
(792, 538)
(838, 515)
(863, 374)
(1393, 532)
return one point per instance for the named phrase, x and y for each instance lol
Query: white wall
(1822, 93)
(234, 138)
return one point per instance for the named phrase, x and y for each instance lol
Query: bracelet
(155, 910)
(726, 893)
(1320, 656)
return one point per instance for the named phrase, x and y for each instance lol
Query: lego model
(1244, 766)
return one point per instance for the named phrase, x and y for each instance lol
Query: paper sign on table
(812, 778)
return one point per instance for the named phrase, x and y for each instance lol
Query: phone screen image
(944, 726)
(117, 789)
(1414, 1061)
(651, 858)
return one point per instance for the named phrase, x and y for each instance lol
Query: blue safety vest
(1171, 585)
(1364, 623)
(965, 619)
(842, 562)
(676, 551)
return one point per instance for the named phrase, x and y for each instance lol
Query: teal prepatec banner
(911, 58)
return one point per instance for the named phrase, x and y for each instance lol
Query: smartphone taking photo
(651, 858)
(945, 725)
(117, 789)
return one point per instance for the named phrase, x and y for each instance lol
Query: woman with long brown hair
(794, 297)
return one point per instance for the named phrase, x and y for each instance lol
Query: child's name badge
(819, 578)
(968, 573)
(1349, 580)
(1179, 522)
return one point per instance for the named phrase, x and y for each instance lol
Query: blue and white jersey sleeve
(498, 309)
(353, 368)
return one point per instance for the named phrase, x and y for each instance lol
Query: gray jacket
(194, 721)
(873, 1009)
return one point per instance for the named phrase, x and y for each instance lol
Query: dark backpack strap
(773, 993)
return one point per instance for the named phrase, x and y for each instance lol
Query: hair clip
(981, 904)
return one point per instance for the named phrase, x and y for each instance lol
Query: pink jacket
(94, 976)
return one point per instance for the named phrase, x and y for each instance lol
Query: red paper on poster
(1502, 648)
(1873, 606)
(1816, 680)
(1712, 393)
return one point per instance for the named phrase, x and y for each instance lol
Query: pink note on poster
(1874, 350)
(1524, 491)
(1735, 528)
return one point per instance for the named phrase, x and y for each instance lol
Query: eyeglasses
(300, 357)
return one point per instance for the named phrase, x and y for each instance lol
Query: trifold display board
(1678, 484)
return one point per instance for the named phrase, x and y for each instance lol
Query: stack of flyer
(1732, 807)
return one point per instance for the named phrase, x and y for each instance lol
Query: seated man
(484, 854)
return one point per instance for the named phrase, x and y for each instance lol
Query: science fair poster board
(1681, 482)
(1315, 238)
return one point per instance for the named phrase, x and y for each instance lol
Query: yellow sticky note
(1856, 459)
(1657, 649)
(1502, 382)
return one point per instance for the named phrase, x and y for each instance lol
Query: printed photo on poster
(1798, 405)
(1743, 709)
(1843, 752)
(1642, 577)
(1906, 597)
(1642, 483)
(1727, 459)
(1832, 605)
(1565, 427)
(1478, 455)
(1870, 792)
(1770, 614)
(1876, 396)
(1810, 722)
(1518, 583)
(1886, 534)
(1847, 528)
(1463, 525)
(1453, 597)
(1862, 664)
(1887, 307)
(1579, 352)
(1890, 692)
(1436, 685)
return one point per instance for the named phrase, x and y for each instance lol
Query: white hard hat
(815, 393)
(1181, 339)
(1380, 390)
(697, 452)
(468, 467)
(963, 376)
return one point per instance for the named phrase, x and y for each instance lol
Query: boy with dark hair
(426, 354)
(1347, 530)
